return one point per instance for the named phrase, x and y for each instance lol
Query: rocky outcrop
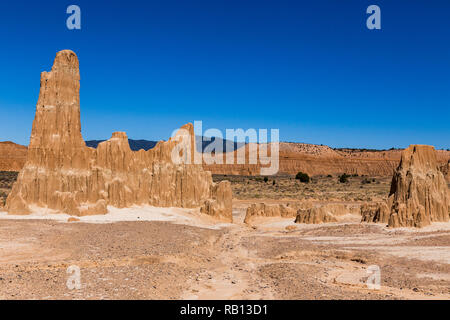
(446, 171)
(322, 160)
(302, 212)
(62, 174)
(375, 212)
(262, 210)
(419, 194)
(12, 156)
(294, 157)
(220, 204)
(331, 212)
(315, 216)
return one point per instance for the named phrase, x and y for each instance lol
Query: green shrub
(303, 177)
(344, 178)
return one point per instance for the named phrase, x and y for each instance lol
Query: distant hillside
(294, 157)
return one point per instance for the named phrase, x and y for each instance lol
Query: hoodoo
(63, 174)
(419, 194)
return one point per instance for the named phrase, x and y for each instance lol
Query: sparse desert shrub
(273, 183)
(303, 177)
(344, 178)
(329, 176)
(266, 179)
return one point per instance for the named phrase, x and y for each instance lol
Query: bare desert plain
(225, 158)
(157, 253)
(109, 222)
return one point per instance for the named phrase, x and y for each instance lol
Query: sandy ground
(154, 253)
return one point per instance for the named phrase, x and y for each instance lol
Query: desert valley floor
(153, 253)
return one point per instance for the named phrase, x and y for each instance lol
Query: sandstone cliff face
(61, 173)
(419, 194)
(12, 156)
(322, 160)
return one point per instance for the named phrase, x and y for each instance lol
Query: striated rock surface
(446, 171)
(12, 156)
(294, 157)
(322, 160)
(419, 194)
(325, 213)
(315, 216)
(375, 212)
(62, 174)
(303, 212)
(262, 210)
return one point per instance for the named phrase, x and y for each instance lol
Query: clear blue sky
(310, 68)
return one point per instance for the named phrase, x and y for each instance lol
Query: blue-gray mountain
(137, 145)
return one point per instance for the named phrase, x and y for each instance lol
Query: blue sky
(310, 68)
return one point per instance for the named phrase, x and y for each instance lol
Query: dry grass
(325, 188)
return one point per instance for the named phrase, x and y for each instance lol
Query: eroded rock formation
(325, 213)
(262, 210)
(419, 194)
(302, 212)
(12, 156)
(375, 212)
(294, 157)
(62, 174)
(446, 171)
(322, 160)
(315, 216)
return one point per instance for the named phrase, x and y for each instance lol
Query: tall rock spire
(62, 174)
(419, 194)
(57, 121)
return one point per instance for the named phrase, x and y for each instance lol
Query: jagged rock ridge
(419, 193)
(63, 174)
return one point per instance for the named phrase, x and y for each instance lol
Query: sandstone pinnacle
(419, 194)
(63, 174)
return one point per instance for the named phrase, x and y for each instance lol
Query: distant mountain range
(137, 145)
(294, 157)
